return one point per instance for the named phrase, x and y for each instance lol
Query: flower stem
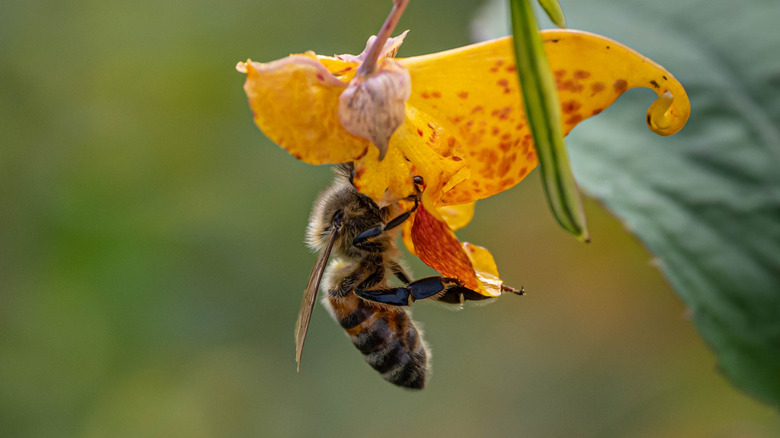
(369, 64)
(543, 110)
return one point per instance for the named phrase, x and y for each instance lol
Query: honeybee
(360, 236)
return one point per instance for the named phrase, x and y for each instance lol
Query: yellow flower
(463, 128)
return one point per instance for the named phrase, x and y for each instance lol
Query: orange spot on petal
(581, 74)
(570, 106)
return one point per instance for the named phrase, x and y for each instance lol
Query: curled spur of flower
(455, 118)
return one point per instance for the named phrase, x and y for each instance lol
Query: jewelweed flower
(455, 118)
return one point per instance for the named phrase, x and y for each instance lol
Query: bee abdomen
(392, 345)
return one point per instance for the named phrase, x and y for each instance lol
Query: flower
(463, 127)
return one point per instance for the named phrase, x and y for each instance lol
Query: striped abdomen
(387, 337)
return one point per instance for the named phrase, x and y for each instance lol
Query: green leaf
(705, 201)
(543, 112)
(553, 10)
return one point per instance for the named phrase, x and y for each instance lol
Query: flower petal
(295, 103)
(457, 216)
(436, 245)
(384, 181)
(485, 268)
(423, 151)
(473, 94)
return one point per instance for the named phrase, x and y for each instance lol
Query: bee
(358, 237)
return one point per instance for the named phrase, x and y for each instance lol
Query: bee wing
(310, 294)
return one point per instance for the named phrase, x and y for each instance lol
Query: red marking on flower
(437, 247)
(320, 77)
(597, 111)
(506, 136)
(597, 87)
(581, 74)
(495, 130)
(501, 114)
(511, 69)
(560, 73)
(566, 85)
(570, 106)
(503, 82)
(420, 132)
(451, 141)
(436, 94)
(477, 109)
(425, 95)
(362, 154)
(343, 71)
(576, 118)
(463, 94)
(620, 85)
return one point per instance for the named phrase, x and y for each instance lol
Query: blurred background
(152, 258)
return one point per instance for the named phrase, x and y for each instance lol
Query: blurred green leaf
(706, 201)
(553, 10)
(543, 111)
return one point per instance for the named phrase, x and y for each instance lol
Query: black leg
(421, 289)
(370, 233)
(442, 289)
(365, 236)
(399, 272)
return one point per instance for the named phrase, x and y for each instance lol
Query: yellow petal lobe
(597, 70)
(384, 181)
(421, 151)
(457, 216)
(295, 103)
(473, 94)
(485, 268)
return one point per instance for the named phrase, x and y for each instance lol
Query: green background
(152, 257)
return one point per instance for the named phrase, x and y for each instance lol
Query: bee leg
(399, 273)
(372, 232)
(421, 289)
(459, 294)
(367, 235)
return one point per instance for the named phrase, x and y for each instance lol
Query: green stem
(543, 112)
